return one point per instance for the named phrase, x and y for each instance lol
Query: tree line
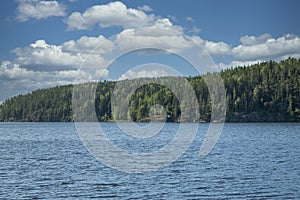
(263, 92)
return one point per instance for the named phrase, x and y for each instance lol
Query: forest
(263, 92)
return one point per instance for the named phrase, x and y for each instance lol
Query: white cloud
(15, 80)
(259, 49)
(117, 14)
(252, 48)
(158, 38)
(13, 76)
(172, 18)
(45, 57)
(243, 63)
(35, 9)
(13, 71)
(90, 52)
(265, 47)
(94, 52)
(150, 70)
(222, 66)
(42, 54)
(252, 40)
(217, 48)
(189, 19)
(213, 48)
(89, 45)
(40, 57)
(111, 14)
(42, 65)
(149, 73)
(145, 8)
(195, 30)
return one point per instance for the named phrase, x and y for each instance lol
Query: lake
(249, 161)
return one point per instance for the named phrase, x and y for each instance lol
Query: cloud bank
(41, 64)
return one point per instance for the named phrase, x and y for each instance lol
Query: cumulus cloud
(265, 47)
(217, 48)
(93, 52)
(90, 52)
(15, 80)
(42, 54)
(89, 45)
(12, 71)
(254, 49)
(145, 8)
(45, 57)
(41, 65)
(213, 48)
(152, 38)
(111, 14)
(36, 9)
(252, 40)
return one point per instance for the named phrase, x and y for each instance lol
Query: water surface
(250, 161)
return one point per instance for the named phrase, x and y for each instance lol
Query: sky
(45, 43)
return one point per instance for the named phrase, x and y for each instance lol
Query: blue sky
(46, 42)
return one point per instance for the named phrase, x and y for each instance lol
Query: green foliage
(49, 105)
(267, 91)
(264, 92)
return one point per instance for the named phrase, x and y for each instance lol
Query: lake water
(250, 161)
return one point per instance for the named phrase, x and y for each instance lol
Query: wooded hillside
(264, 92)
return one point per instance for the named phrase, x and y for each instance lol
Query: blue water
(250, 161)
